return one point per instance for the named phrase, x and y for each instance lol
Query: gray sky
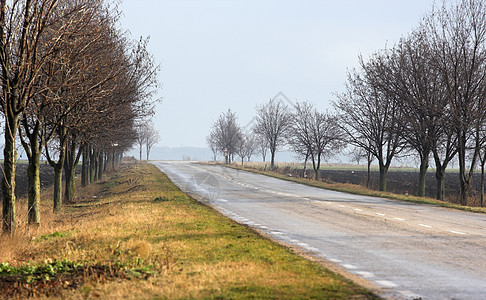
(221, 54)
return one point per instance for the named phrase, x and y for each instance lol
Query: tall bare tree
(272, 123)
(458, 37)
(369, 116)
(414, 83)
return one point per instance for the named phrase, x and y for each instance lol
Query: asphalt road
(408, 251)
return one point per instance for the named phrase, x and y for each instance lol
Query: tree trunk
(272, 161)
(368, 178)
(383, 173)
(85, 167)
(33, 150)
(424, 165)
(72, 160)
(101, 160)
(482, 181)
(9, 165)
(58, 188)
(58, 168)
(92, 166)
(440, 189)
(304, 174)
(34, 185)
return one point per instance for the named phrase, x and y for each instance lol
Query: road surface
(408, 251)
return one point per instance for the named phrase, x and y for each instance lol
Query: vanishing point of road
(403, 250)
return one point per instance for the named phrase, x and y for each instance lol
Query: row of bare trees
(312, 134)
(426, 94)
(72, 84)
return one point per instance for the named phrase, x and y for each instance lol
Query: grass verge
(357, 189)
(135, 235)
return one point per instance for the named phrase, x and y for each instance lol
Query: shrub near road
(136, 235)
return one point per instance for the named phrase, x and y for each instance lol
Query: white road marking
(399, 219)
(424, 225)
(342, 206)
(457, 232)
(386, 283)
(348, 266)
(335, 260)
(381, 215)
(357, 209)
(365, 274)
(410, 295)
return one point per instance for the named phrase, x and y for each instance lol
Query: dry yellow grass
(147, 239)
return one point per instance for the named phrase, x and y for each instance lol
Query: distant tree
(357, 154)
(246, 147)
(272, 123)
(314, 133)
(151, 138)
(141, 129)
(262, 146)
(212, 143)
(227, 134)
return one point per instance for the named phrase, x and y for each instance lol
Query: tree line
(73, 84)
(310, 133)
(424, 96)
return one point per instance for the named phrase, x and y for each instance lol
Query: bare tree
(314, 134)
(227, 134)
(273, 121)
(407, 76)
(458, 38)
(141, 129)
(246, 147)
(262, 146)
(212, 142)
(369, 116)
(357, 154)
(151, 138)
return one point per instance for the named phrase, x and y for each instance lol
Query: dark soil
(398, 182)
(21, 180)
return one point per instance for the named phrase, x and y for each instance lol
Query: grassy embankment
(136, 235)
(351, 188)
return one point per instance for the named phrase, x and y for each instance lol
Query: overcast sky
(222, 54)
